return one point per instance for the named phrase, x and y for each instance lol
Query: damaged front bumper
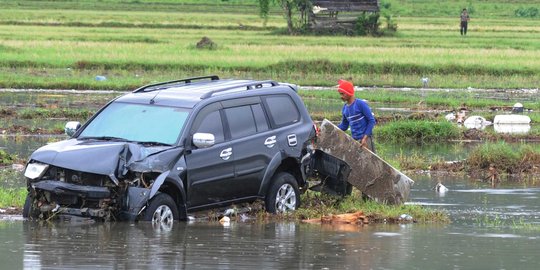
(52, 197)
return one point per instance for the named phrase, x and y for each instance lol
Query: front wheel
(28, 209)
(161, 210)
(283, 195)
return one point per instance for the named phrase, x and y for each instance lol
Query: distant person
(357, 115)
(464, 21)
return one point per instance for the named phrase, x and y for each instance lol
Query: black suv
(169, 148)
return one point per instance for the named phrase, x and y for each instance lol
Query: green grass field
(65, 44)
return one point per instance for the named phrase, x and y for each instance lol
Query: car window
(138, 122)
(212, 124)
(260, 118)
(282, 110)
(241, 121)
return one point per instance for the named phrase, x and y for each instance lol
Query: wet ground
(485, 233)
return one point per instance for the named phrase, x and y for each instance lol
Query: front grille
(76, 177)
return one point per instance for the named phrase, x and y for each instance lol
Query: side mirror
(203, 140)
(71, 127)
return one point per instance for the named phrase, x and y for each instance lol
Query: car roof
(189, 92)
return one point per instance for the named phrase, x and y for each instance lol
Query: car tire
(28, 210)
(284, 195)
(161, 209)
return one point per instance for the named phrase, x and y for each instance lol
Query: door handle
(270, 141)
(226, 153)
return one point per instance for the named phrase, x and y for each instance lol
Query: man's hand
(363, 142)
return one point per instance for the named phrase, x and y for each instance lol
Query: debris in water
(350, 218)
(440, 188)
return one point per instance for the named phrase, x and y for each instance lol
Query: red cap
(346, 87)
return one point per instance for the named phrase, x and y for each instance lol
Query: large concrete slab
(369, 173)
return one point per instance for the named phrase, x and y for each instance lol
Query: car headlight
(35, 170)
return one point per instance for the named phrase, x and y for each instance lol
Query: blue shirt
(359, 117)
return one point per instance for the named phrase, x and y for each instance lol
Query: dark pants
(370, 144)
(463, 28)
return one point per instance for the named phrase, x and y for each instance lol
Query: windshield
(137, 122)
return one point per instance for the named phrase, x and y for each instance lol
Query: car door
(209, 170)
(253, 144)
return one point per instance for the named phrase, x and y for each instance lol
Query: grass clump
(417, 131)
(6, 158)
(499, 155)
(504, 158)
(316, 205)
(12, 197)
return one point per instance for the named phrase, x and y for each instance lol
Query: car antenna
(152, 101)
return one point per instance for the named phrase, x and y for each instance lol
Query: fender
(169, 178)
(139, 197)
(157, 184)
(270, 170)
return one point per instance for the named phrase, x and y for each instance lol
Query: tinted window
(212, 124)
(282, 110)
(241, 121)
(260, 119)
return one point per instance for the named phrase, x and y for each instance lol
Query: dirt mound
(206, 43)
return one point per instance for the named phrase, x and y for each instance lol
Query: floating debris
(440, 188)
(350, 218)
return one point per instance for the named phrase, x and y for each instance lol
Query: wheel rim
(285, 199)
(163, 215)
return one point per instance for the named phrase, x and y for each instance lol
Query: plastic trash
(450, 117)
(100, 78)
(477, 122)
(405, 217)
(425, 82)
(440, 188)
(230, 212)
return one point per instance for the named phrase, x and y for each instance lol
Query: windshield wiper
(104, 138)
(150, 143)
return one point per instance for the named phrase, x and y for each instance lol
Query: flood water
(491, 228)
(486, 232)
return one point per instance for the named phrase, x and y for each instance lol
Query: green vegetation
(6, 158)
(66, 44)
(504, 158)
(55, 112)
(12, 197)
(489, 158)
(316, 204)
(417, 131)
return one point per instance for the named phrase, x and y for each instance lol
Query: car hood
(106, 157)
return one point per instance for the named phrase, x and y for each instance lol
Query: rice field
(66, 44)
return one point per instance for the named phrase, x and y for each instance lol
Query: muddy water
(491, 228)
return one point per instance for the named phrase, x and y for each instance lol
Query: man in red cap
(356, 114)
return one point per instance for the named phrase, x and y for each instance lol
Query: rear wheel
(161, 210)
(283, 196)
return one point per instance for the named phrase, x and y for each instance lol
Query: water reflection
(262, 246)
(466, 243)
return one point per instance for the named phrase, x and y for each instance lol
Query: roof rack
(187, 80)
(248, 86)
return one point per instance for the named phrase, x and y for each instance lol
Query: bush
(368, 24)
(6, 158)
(530, 12)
